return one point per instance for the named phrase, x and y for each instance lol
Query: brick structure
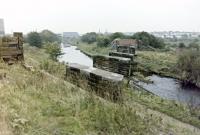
(124, 55)
(11, 48)
(105, 84)
(118, 65)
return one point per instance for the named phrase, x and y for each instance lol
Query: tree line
(104, 40)
(47, 40)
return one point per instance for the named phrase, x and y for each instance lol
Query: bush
(188, 66)
(103, 41)
(34, 39)
(54, 50)
(194, 45)
(48, 36)
(89, 37)
(149, 40)
(181, 45)
(117, 35)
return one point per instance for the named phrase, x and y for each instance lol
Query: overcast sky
(91, 15)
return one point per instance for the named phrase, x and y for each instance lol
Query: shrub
(188, 66)
(49, 36)
(194, 46)
(89, 37)
(103, 41)
(117, 35)
(149, 40)
(54, 50)
(34, 39)
(181, 45)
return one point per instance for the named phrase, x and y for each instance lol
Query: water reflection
(72, 55)
(172, 89)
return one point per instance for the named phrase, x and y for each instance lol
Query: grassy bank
(183, 112)
(162, 63)
(93, 48)
(41, 102)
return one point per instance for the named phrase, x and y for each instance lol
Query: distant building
(125, 42)
(2, 31)
(125, 45)
(70, 34)
(176, 34)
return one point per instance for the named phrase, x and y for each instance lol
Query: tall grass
(94, 49)
(35, 103)
(39, 104)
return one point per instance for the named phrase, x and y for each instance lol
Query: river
(73, 55)
(164, 87)
(172, 89)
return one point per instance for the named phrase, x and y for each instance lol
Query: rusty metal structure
(11, 48)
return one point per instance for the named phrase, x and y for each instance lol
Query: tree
(89, 37)
(149, 40)
(181, 45)
(53, 49)
(117, 35)
(34, 39)
(103, 41)
(48, 36)
(194, 45)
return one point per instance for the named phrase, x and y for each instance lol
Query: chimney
(2, 31)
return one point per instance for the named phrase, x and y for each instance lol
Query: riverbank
(72, 54)
(38, 103)
(161, 63)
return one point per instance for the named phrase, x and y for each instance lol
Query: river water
(172, 89)
(73, 55)
(167, 88)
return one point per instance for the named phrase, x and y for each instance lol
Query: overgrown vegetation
(93, 48)
(185, 113)
(47, 40)
(89, 37)
(188, 66)
(147, 40)
(188, 42)
(49, 36)
(45, 36)
(162, 63)
(103, 41)
(53, 49)
(34, 39)
(41, 103)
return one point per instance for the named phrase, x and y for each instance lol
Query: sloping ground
(173, 126)
(38, 103)
(163, 63)
(4, 127)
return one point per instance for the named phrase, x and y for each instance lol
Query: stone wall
(105, 84)
(113, 64)
(126, 49)
(124, 55)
